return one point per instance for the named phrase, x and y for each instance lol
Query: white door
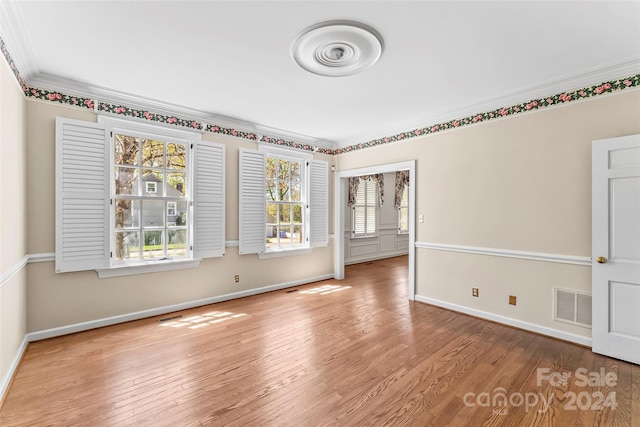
(616, 247)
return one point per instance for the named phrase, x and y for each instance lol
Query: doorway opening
(340, 202)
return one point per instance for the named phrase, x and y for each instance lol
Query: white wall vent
(571, 306)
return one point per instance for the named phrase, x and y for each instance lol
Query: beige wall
(12, 221)
(56, 300)
(520, 183)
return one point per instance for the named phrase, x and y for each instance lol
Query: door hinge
(110, 254)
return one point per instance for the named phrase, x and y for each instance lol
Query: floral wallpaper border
(532, 105)
(13, 67)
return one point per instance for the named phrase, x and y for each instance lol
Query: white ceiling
(231, 60)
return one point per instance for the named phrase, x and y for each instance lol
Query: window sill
(147, 267)
(369, 236)
(284, 252)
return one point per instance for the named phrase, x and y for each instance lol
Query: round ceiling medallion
(337, 48)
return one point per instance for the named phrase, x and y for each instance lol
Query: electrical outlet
(237, 278)
(512, 299)
(474, 292)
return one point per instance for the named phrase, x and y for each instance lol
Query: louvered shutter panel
(318, 203)
(208, 200)
(82, 196)
(252, 233)
(372, 192)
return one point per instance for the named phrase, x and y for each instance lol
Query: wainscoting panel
(388, 243)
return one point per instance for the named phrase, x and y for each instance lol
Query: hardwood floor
(333, 353)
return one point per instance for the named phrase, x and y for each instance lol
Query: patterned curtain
(354, 183)
(402, 181)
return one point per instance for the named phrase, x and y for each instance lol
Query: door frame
(340, 200)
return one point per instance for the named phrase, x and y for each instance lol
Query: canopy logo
(595, 400)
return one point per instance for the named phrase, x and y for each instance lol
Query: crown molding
(102, 94)
(16, 39)
(629, 66)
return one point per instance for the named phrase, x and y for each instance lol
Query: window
(403, 212)
(284, 197)
(363, 218)
(142, 230)
(134, 197)
(172, 208)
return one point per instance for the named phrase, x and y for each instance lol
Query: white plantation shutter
(208, 200)
(318, 203)
(252, 233)
(364, 211)
(82, 196)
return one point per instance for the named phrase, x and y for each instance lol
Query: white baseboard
(85, 326)
(532, 327)
(6, 381)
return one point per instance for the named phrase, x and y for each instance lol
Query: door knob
(601, 260)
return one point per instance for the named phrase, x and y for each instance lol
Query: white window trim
(155, 187)
(207, 183)
(148, 267)
(149, 131)
(282, 252)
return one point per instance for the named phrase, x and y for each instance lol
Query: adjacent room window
(285, 192)
(131, 194)
(403, 212)
(363, 217)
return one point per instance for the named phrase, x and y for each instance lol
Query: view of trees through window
(284, 194)
(151, 205)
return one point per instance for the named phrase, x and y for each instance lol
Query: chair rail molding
(507, 253)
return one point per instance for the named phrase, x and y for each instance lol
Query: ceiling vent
(337, 48)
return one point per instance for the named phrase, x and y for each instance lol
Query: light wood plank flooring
(348, 353)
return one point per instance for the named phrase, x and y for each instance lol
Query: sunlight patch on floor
(326, 289)
(202, 320)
